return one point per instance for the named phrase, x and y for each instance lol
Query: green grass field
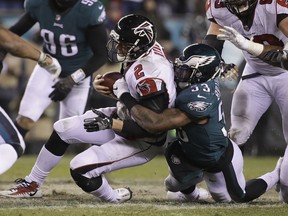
(63, 197)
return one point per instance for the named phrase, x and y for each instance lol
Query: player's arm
(278, 56)
(15, 45)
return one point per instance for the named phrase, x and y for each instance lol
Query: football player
(150, 74)
(260, 30)
(202, 149)
(12, 144)
(74, 33)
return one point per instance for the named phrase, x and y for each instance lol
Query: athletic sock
(105, 192)
(45, 162)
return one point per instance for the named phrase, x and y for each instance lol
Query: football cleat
(23, 189)
(124, 194)
(178, 196)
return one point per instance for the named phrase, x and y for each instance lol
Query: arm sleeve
(97, 37)
(23, 25)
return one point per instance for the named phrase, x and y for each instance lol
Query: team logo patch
(144, 30)
(148, 86)
(199, 106)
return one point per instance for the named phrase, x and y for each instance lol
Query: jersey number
(67, 43)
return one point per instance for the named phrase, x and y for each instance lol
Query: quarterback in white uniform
(151, 81)
(260, 30)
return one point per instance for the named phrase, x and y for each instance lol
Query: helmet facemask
(240, 8)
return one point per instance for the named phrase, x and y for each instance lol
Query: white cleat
(124, 194)
(23, 189)
(178, 196)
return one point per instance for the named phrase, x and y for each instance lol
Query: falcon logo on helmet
(145, 30)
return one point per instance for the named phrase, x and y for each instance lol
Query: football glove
(276, 56)
(240, 41)
(61, 88)
(53, 68)
(100, 122)
(230, 72)
(120, 87)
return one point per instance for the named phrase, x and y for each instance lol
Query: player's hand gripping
(100, 88)
(120, 87)
(230, 72)
(240, 41)
(276, 56)
(50, 64)
(100, 122)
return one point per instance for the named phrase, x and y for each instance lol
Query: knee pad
(86, 184)
(239, 136)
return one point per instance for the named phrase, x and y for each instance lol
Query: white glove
(53, 68)
(239, 41)
(120, 87)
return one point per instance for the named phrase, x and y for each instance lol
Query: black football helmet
(132, 38)
(240, 8)
(198, 63)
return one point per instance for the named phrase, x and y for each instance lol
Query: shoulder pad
(29, 4)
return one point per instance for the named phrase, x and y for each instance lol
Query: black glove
(62, 89)
(100, 122)
(230, 71)
(275, 56)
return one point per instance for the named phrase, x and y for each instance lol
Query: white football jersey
(146, 75)
(264, 29)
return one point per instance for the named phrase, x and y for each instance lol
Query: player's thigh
(36, 97)
(76, 100)
(116, 154)
(71, 129)
(9, 133)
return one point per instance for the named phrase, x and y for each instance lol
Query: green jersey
(64, 33)
(207, 142)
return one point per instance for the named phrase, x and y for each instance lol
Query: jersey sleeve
(32, 5)
(282, 7)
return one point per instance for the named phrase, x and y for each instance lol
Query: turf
(63, 197)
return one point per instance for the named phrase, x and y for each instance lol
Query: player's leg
(250, 101)
(35, 99)
(75, 102)
(235, 181)
(11, 142)
(88, 168)
(53, 151)
(183, 178)
(281, 95)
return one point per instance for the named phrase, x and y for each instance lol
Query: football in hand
(110, 78)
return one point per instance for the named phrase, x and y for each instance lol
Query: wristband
(42, 59)
(78, 75)
(128, 100)
(254, 48)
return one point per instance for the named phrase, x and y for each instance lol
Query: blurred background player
(74, 33)
(249, 24)
(202, 149)
(12, 144)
